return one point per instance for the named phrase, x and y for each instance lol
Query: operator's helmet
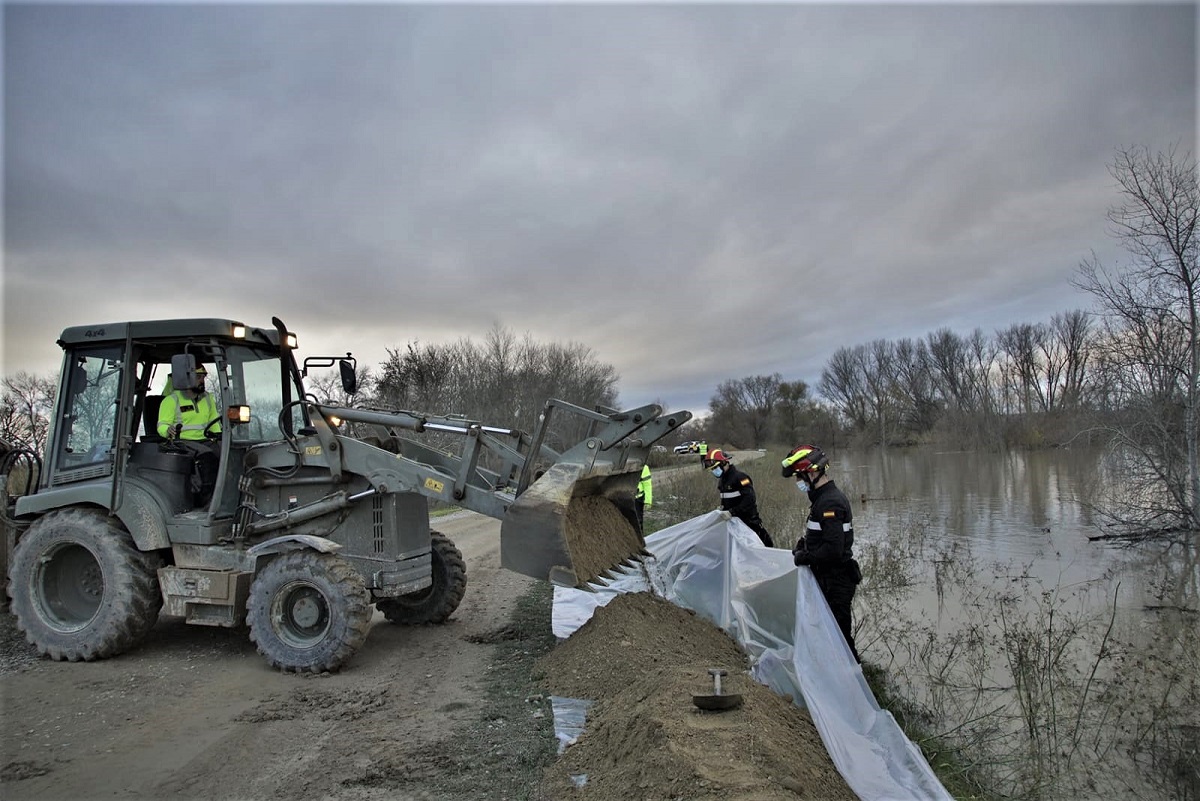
(805, 459)
(714, 458)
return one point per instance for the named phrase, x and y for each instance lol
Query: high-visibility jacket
(193, 414)
(702, 448)
(645, 490)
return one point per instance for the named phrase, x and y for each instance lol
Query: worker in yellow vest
(186, 413)
(186, 417)
(644, 496)
(702, 449)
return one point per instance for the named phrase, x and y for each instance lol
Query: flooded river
(1070, 664)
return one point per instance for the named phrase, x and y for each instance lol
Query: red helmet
(805, 459)
(715, 457)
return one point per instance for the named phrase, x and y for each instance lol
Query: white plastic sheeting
(716, 566)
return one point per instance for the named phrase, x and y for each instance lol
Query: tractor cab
(106, 443)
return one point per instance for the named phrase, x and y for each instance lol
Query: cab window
(89, 410)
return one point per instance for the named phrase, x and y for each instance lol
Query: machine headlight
(239, 331)
(238, 414)
(291, 341)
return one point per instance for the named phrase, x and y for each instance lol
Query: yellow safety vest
(645, 490)
(193, 414)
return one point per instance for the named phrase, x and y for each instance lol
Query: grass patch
(951, 767)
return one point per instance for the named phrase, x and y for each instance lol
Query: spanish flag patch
(745, 481)
(829, 514)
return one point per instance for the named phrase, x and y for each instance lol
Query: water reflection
(1075, 660)
(1030, 509)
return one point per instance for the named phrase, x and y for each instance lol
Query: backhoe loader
(317, 514)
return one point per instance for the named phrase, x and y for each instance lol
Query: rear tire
(437, 602)
(80, 588)
(308, 611)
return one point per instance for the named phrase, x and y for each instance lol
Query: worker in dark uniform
(827, 547)
(737, 493)
(645, 496)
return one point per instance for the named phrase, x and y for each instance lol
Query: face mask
(716, 471)
(803, 486)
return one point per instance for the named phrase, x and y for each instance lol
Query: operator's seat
(150, 419)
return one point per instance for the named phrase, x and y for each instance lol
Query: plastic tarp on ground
(717, 567)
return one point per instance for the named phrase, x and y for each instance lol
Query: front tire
(80, 588)
(308, 611)
(437, 602)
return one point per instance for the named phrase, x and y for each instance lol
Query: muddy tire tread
(349, 602)
(440, 605)
(132, 599)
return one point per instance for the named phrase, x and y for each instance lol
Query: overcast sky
(696, 192)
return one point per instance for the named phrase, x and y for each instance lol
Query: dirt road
(197, 713)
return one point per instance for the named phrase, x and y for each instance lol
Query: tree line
(978, 389)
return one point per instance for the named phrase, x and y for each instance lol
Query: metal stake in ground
(717, 701)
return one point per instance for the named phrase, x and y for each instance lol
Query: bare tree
(918, 407)
(843, 383)
(880, 380)
(792, 411)
(950, 362)
(418, 377)
(26, 406)
(1151, 338)
(327, 386)
(1023, 346)
(981, 361)
(1071, 337)
(742, 409)
(504, 380)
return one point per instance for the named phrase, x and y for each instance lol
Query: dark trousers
(641, 514)
(206, 461)
(837, 585)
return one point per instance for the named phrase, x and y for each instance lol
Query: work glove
(174, 431)
(800, 555)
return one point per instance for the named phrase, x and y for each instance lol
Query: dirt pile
(641, 659)
(598, 536)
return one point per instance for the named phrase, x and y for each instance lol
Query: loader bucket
(572, 525)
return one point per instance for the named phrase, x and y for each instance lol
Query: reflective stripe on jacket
(738, 496)
(829, 534)
(193, 414)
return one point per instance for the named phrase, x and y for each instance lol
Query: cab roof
(202, 327)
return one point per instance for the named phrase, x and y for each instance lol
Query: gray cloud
(696, 192)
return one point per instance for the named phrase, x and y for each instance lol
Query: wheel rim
(70, 587)
(301, 614)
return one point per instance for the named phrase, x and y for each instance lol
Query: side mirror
(183, 370)
(349, 377)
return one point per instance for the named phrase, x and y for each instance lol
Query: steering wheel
(210, 434)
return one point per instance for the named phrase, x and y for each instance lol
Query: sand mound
(641, 659)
